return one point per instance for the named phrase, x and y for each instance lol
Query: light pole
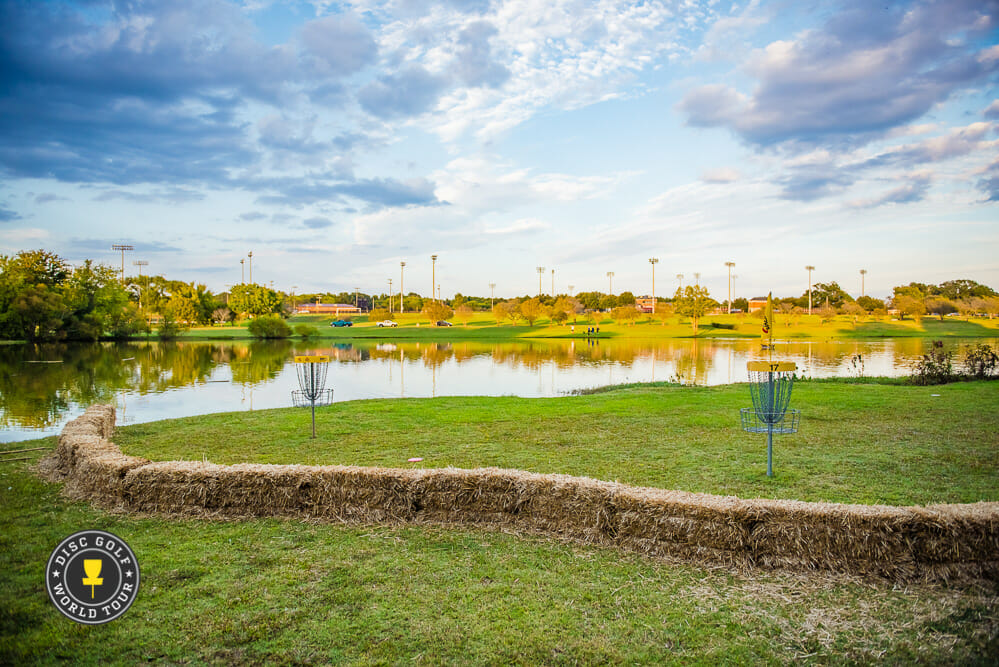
(356, 290)
(571, 287)
(679, 278)
(863, 272)
(733, 280)
(541, 272)
(653, 261)
(140, 263)
(250, 256)
(294, 304)
(729, 265)
(123, 248)
(610, 282)
(553, 283)
(390, 295)
(402, 306)
(433, 275)
(809, 268)
(697, 279)
(242, 271)
(492, 292)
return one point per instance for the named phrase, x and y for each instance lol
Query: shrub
(306, 330)
(170, 328)
(980, 361)
(269, 326)
(937, 367)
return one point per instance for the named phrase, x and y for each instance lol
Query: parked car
(442, 323)
(387, 323)
(341, 323)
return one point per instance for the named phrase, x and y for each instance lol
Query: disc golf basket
(312, 384)
(770, 385)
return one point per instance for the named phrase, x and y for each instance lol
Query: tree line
(44, 298)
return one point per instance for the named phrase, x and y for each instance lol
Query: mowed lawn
(870, 443)
(271, 591)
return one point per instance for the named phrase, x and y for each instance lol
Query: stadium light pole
(242, 271)
(697, 279)
(492, 293)
(863, 272)
(809, 268)
(433, 275)
(391, 297)
(679, 278)
(571, 288)
(249, 255)
(553, 283)
(122, 247)
(653, 261)
(541, 272)
(610, 282)
(729, 265)
(294, 304)
(402, 306)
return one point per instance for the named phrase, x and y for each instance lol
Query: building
(645, 304)
(757, 303)
(335, 309)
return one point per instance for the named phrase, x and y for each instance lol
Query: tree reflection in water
(42, 386)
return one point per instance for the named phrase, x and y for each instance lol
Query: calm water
(43, 387)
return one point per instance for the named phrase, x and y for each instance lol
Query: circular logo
(92, 577)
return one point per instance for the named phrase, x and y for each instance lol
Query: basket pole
(770, 427)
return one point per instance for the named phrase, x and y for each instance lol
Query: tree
(626, 299)
(95, 299)
(31, 306)
(909, 305)
(940, 306)
(870, 303)
(378, 314)
(663, 311)
(625, 313)
(854, 310)
(437, 311)
(531, 310)
(251, 299)
(963, 289)
(742, 303)
(693, 302)
(221, 315)
(563, 307)
(462, 313)
(831, 292)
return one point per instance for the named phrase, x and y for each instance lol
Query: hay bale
(936, 543)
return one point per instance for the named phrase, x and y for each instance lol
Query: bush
(269, 326)
(937, 367)
(170, 328)
(980, 361)
(306, 330)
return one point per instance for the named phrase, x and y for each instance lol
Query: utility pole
(541, 272)
(809, 268)
(140, 263)
(123, 248)
(729, 265)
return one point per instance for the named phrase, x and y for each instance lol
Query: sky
(336, 140)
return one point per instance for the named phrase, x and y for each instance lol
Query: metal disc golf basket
(770, 385)
(312, 384)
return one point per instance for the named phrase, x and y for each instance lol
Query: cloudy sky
(336, 140)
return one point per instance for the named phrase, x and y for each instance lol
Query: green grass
(483, 327)
(279, 591)
(868, 443)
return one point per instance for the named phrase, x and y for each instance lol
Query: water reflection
(43, 386)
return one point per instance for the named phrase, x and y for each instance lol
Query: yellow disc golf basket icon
(92, 567)
(770, 384)
(312, 384)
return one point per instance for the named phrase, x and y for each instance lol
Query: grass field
(483, 327)
(278, 591)
(870, 443)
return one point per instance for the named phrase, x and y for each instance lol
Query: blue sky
(336, 140)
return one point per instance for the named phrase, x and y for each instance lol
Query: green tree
(870, 303)
(531, 310)
(940, 306)
(269, 326)
(626, 299)
(251, 299)
(625, 314)
(831, 292)
(909, 305)
(963, 289)
(95, 298)
(693, 302)
(31, 306)
(437, 311)
(462, 313)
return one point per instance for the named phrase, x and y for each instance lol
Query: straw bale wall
(933, 543)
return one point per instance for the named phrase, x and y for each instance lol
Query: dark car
(341, 323)
(442, 323)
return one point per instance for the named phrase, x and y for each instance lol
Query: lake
(44, 386)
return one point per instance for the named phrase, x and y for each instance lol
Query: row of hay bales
(935, 543)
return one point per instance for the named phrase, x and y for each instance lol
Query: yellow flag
(767, 335)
